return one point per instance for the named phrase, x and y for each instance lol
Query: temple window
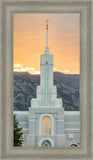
(46, 125)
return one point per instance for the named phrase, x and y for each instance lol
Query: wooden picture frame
(8, 8)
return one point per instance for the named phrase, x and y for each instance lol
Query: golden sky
(30, 41)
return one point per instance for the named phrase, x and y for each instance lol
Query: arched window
(46, 125)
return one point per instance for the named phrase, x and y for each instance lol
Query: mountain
(25, 85)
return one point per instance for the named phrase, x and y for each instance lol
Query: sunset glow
(30, 42)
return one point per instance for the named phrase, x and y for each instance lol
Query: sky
(29, 41)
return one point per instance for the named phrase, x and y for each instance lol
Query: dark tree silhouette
(18, 139)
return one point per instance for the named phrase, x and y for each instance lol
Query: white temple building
(46, 123)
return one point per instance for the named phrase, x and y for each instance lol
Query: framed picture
(46, 84)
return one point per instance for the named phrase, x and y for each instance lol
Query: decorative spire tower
(46, 92)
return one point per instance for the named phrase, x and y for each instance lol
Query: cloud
(54, 69)
(30, 69)
(37, 72)
(23, 69)
(67, 71)
(16, 70)
(27, 69)
(17, 65)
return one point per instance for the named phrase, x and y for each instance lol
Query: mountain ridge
(25, 85)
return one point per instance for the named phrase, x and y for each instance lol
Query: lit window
(46, 125)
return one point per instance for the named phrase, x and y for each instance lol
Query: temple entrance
(74, 145)
(46, 143)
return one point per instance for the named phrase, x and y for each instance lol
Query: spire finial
(47, 50)
(47, 24)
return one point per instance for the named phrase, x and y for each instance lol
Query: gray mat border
(4, 4)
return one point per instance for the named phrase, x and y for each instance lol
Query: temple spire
(47, 50)
(47, 33)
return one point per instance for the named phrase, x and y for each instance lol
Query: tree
(18, 138)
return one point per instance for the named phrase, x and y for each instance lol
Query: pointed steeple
(47, 49)
(47, 33)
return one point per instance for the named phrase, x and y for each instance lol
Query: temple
(46, 124)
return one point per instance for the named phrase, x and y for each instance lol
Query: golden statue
(47, 24)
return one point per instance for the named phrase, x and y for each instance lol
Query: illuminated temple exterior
(46, 123)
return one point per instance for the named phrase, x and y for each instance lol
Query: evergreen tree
(18, 139)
